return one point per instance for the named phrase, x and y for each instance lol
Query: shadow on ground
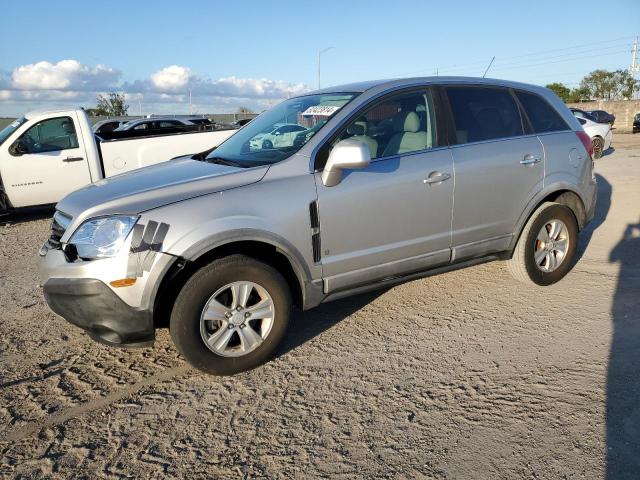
(623, 375)
(27, 215)
(307, 325)
(602, 210)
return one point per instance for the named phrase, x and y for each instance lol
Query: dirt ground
(463, 375)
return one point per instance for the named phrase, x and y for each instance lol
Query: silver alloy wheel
(551, 245)
(237, 318)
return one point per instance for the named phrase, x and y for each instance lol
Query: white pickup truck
(47, 154)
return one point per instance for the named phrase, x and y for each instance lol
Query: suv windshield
(281, 131)
(9, 129)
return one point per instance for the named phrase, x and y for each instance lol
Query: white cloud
(64, 75)
(172, 78)
(167, 90)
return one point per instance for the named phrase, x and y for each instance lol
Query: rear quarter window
(543, 117)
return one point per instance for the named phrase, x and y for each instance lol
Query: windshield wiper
(224, 161)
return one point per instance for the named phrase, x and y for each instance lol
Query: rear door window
(484, 113)
(542, 116)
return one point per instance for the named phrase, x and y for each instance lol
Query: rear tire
(217, 304)
(547, 245)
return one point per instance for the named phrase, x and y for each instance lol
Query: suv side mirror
(346, 154)
(18, 148)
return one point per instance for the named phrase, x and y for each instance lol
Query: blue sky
(254, 53)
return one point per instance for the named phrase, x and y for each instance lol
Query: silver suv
(385, 182)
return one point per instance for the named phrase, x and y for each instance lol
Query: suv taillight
(586, 141)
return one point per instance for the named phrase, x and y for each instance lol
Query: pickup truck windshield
(9, 129)
(281, 131)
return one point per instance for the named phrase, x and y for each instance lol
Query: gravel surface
(463, 375)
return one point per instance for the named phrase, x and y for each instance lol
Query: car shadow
(27, 215)
(623, 374)
(608, 151)
(309, 324)
(603, 205)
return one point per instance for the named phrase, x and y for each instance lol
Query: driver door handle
(436, 177)
(73, 159)
(530, 160)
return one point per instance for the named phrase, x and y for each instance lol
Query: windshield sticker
(321, 110)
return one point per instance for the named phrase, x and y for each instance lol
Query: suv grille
(58, 227)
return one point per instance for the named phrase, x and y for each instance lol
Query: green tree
(626, 85)
(605, 85)
(111, 105)
(561, 90)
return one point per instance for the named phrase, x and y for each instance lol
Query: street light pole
(319, 57)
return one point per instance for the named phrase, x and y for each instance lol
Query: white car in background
(600, 133)
(280, 136)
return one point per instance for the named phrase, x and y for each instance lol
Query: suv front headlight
(102, 237)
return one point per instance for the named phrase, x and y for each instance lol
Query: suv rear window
(542, 116)
(482, 113)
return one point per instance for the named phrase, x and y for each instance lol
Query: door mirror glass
(348, 154)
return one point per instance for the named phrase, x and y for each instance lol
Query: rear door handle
(73, 159)
(530, 160)
(436, 177)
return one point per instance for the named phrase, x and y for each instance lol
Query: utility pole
(634, 68)
(319, 58)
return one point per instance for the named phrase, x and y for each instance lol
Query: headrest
(356, 129)
(406, 122)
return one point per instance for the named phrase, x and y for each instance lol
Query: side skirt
(392, 281)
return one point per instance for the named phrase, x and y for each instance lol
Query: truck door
(45, 163)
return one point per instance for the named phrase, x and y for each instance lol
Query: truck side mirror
(346, 154)
(18, 148)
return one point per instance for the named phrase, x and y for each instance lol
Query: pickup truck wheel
(547, 246)
(231, 315)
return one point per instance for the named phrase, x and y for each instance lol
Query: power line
(467, 66)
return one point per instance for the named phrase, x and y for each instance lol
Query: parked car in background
(158, 123)
(47, 154)
(241, 122)
(280, 135)
(600, 133)
(579, 113)
(109, 125)
(601, 116)
(220, 246)
(636, 123)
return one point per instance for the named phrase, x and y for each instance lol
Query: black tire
(522, 264)
(187, 311)
(598, 147)
(267, 145)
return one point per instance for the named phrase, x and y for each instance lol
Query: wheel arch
(262, 246)
(564, 195)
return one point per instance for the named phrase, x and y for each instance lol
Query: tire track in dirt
(32, 428)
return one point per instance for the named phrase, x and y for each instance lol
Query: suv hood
(155, 186)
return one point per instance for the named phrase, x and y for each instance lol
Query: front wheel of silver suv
(546, 248)
(231, 315)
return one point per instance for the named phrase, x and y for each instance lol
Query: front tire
(231, 315)
(546, 248)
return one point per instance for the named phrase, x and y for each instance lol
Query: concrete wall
(624, 110)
